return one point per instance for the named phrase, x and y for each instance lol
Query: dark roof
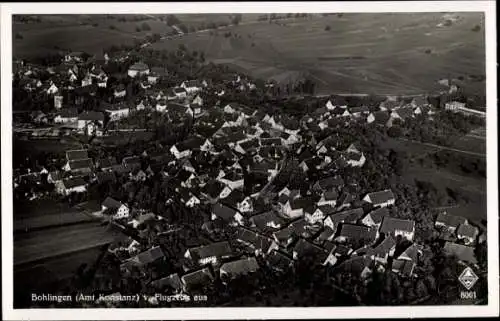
(378, 214)
(252, 143)
(77, 154)
(270, 141)
(240, 267)
(381, 196)
(179, 90)
(219, 249)
(462, 252)
(356, 264)
(213, 188)
(404, 112)
(467, 230)
(173, 281)
(192, 83)
(91, 115)
(69, 113)
(253, 239)
(412, 252)
(73, 182)
(148, 256)
(384, 247)
(139, 66)
(390, 225)
(197, 278)
(224, 212)
(191, 143)
(326, 209)
(80, 164)
(111, 203)
(329, 182)
(103, 177)
(360, 109)
(131, 161)
(304, 247)
(348, 216)
(262, 220)
(299, 203)
(404, 267)
(357, 232)
(107, 162)
(381, 117)
(279, 260)
(233, 199)
(450, 220)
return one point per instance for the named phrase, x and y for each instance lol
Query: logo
(468, 278)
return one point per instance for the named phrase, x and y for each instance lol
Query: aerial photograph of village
(249, 160)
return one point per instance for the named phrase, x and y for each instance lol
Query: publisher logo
(468, 278)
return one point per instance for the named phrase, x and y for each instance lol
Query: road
(445, 148)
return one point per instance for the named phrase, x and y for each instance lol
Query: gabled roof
(384, 247)
(91, 115)
(240, 267)
(381, 197)
(197, 278)
(329, 182)
(191, 143)
(225, 212)
(356, 264)
(378, 214)
(172, 281)
(467, 230)
(233, 199)
(348, 216)
(103, 177)
(111, 203)
(330, 195)
(192, 83)
(213, 188)
(299, 203)
(80, 164)
(450, 220)
(360, 109)
(403, 267)
(139, 66)
(411, 252)
(390, 225)
(148, 256)
(107, 162)
(219, 249)
(254, 239)
(76, 154)
(69, 113)
(73, 182)
(357, 232)
(462, 252)
(279, 260)
(404, 112)
(261, 220)
(252, 143)
(304, 247)
(131, 161)
(381, 117)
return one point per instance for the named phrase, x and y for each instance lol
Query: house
(305, 248)
(449, 222)
(215, 190)
(319, 213)
(359, 111)
(115, 208)
(58, 101)
(197, 279)
(279, 261)
(347, 216)
(403, 267)
(209, 254)
(395, 227)
(411, 253)
(357, 235)
(328, 198)
(383, 251)
(269, 220)
(185, 148)
(70, 185)
(233, 180)
(120, 91)
(74, 57)
(379, 118)
(188, 198)
(237, 200)
(55, 177)
(131, 162)
(328, 183)
(227, 214)
(87, 80)
(381, 199)
(327, 235)
(106, 164)
(239, 268)
(179, 92)
(138, 69)
(468, 233)
(463, 253)
(137, 175)
(355, 159)
(295, 208)
(374, 218)
(83, 166)
(117, 111)
(76, 154)
(257, 243)
(191, 86)
(172, 281)
(103, 177)
(90, 117)
(357, 265)
(144, 258)
(67, 115)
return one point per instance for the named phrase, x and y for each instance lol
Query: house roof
(329, 182)
(219, 249)
(76, 154)
(467, 230)
(173, 281)
(262, 220)
(299, 203)
(279, 260)
(225, 212)
(411, 252)
(148, 256)
(384, 247)
(131, 161)
(254, 239)
(356, 264)
(139, 66)
(404, 112)
(111, 203)
(191, 143)
(348, 216)
(304, 247)
(390, 104)
(252, 143)
(69, 112)
(381, 197)
(192, 83)
(73, 182)
(450, 220)
(80, 164)
(462, 252)
(240, 267)
(233, 199)
(360, 109)
(390, 225)
(381, 117)
(326, 235)
(378, 214)
(270, 141)
(404, 267)
(178, 90)
(326, 209)
(103, 177)
(91, 115)
(107, 162)
(197, 278)
(213, 188)
(357, 232)
(330, 195)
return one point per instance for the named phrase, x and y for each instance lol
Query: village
(229, 166)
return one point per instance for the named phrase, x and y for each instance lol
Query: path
(445, 148)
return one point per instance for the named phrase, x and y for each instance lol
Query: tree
(236, 19)
(327, 28)
(172, 20)
(145, 26)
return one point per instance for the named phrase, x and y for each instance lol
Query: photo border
(489, 9)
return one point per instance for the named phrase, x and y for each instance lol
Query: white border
(488, 7)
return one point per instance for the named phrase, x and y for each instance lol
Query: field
(39, 245)
(361, 53)
(39, 222)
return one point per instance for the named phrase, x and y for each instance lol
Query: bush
(95, 24)
(112, 27)
(327, 28)
(428, 51)
(137, 29)
(476, 28)
(253, 44)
